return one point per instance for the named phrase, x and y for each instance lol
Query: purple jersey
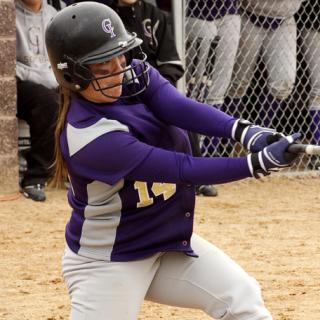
(132, 174)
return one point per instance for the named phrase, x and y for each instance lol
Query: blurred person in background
(268, 28)
(154, 27)
(213, 29)
(37, 97)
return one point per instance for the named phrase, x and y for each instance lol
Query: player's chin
(111, 95)
(114, 93)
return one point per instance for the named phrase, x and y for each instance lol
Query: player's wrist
(239, 130)
(256, 165)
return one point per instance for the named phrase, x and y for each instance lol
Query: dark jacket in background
(164, 5)
(154, 27)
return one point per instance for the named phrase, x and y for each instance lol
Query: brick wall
(8, 121)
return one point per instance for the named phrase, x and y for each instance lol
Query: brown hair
(60, 169)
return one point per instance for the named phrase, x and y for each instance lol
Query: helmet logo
(108, 28)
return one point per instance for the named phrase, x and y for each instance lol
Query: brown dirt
(272, 228)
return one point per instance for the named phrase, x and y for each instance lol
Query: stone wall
(8, 121)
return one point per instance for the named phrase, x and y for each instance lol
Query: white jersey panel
(102, 217)
(78, 138)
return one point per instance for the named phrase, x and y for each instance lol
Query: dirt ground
(271, 228)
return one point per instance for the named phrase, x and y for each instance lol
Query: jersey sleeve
(167, 103)
(119, 155)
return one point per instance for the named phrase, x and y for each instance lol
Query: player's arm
(119, 155)
(175, 108)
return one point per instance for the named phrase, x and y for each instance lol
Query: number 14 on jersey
(167, 190)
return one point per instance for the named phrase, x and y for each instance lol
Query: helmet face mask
(88, 33)
(135, 80)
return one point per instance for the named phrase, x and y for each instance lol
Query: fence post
(178, 8)
(8, 121)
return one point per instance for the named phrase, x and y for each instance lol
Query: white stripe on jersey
(79, 138)
(102, 217)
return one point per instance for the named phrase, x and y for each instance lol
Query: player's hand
(254, 138)
(273, 157)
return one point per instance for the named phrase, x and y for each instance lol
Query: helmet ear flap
(129, 57)
(77, 74)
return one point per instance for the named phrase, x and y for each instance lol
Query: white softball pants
(102, 290)
(278, 50)
(311, 48)
(201, 33)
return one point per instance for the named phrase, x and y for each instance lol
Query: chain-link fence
(259, 60)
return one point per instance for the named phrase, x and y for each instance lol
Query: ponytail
(60, 175)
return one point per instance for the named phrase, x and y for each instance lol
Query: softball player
(211, 25)
(121, 140)
(267, 27)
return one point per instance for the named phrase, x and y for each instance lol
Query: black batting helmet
(88, 33)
